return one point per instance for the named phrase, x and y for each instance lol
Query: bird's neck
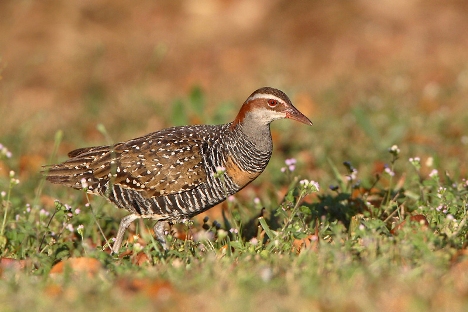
(257, 133)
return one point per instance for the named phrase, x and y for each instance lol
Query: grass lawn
(364, 211)
(391, 236)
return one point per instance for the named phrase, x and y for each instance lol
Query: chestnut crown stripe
(265, 96)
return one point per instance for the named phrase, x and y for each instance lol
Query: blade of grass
(267, 229)
(57, 140)
(337, 174)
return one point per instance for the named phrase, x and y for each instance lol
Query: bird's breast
(239, 176)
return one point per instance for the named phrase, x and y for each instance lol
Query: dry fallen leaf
(155, 289)
(141, 258)
(424, 224)
(9, 264)
(308, 243)
(77, 266)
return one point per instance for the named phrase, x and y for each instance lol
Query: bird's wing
(158, 164)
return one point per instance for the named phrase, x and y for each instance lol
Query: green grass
(356, 245)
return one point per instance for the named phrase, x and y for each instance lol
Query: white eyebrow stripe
(265, 96)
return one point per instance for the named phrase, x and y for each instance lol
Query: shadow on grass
(340, 207)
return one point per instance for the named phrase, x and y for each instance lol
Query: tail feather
(78, 171)
(68, 176)
(95, 150)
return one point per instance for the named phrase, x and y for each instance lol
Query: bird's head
(267, 104)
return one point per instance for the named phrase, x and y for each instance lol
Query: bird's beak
(294, 114)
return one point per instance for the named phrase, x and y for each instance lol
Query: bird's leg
(160, 233)
(124, 224)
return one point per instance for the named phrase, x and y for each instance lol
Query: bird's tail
(78, 171)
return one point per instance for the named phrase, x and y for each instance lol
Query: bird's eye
(272, 103)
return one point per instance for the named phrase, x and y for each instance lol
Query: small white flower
(80, 229)
(290, 161)
(70, 227)
(5, 151)
(353, 175)
(434, 173)
(310, 185)
(137, 247)
(257, 201)
(221, 234)
(84, 184)
(389, 171)
(416, 162)
(254, 241)
(203, 236)
(290, 165)
(394, 150)
(316, 185)
(220, 169)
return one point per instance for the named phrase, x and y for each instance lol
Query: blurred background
(369, 74)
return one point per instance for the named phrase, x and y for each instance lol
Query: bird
(173, 174)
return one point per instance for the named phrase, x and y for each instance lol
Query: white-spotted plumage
(171, 175)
